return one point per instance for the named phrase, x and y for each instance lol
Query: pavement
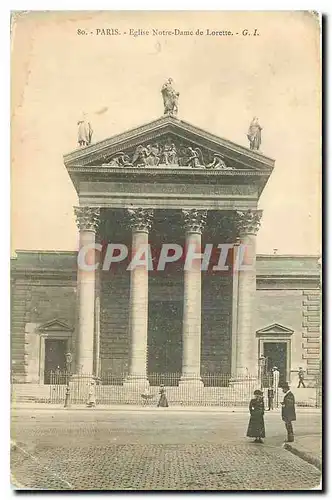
(157, 449)
(309, 448)
(148, 407)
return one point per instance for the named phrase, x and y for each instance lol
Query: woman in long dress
(163, 399)
(256, 427)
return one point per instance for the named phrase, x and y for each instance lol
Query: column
(248, 223)
(194, 222)
(97, 326)
(235, 291)
(87, 219)
(140, 222)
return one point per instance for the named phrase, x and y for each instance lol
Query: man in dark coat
(288, 414)
(301, 378)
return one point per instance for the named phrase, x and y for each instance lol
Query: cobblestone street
(151, 450)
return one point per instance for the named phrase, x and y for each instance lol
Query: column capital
(87, 218)
(140, 219)
(248, 221)
(194, 220)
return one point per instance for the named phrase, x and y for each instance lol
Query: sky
(57, 74)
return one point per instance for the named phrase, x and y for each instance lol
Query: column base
(244, 380)
(136, 382)
(191, 389)
(193, 381)
(242, 389)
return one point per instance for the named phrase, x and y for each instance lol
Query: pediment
(55, 325)
(169, 142)
(274, 330)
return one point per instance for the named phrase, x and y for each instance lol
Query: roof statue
(84, 132)
(170, 97)
(255, 134)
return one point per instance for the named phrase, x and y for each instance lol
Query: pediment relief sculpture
(168, 152)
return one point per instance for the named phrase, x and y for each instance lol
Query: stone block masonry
(311, 333)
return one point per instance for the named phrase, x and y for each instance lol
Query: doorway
(165, 337)
(276, 355)
(55, 359)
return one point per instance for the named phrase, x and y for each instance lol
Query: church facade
(166, 187)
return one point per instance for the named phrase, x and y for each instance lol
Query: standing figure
(84, 132)
(92, 396)
(270, 397)
(255, 134)
(276, 377)
(256, 427)
(163, 399)
(288, 414)
(301, 378)
(165, 157)
(170, 98)
(173, 156)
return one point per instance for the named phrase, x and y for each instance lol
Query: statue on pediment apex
(170, 97)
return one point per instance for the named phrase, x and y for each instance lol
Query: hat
(258, 393)
(275, 368)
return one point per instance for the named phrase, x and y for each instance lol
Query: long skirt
(256, 427)
(163, 401)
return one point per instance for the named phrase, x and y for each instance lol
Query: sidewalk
(111, 408)
(309, 448)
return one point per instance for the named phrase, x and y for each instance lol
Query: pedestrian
(270, 397)
(256, 427)
(288, 414)
(301, 378)
(92, 396)
(163, 399)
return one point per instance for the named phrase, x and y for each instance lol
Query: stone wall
(114, 315)
(216, 324)
(311, 332)
(33, 304)
(43, 291)
(20, 298)
(298, 310)
(216, 320)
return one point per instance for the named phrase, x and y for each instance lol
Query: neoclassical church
(164, 183)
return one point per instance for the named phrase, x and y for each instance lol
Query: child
(92, 396)
(270, 397)
(256, 427)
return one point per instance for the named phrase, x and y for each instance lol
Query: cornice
(154, 129)
(159, 171)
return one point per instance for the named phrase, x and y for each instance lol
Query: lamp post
(261, 363)
(69, 359)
